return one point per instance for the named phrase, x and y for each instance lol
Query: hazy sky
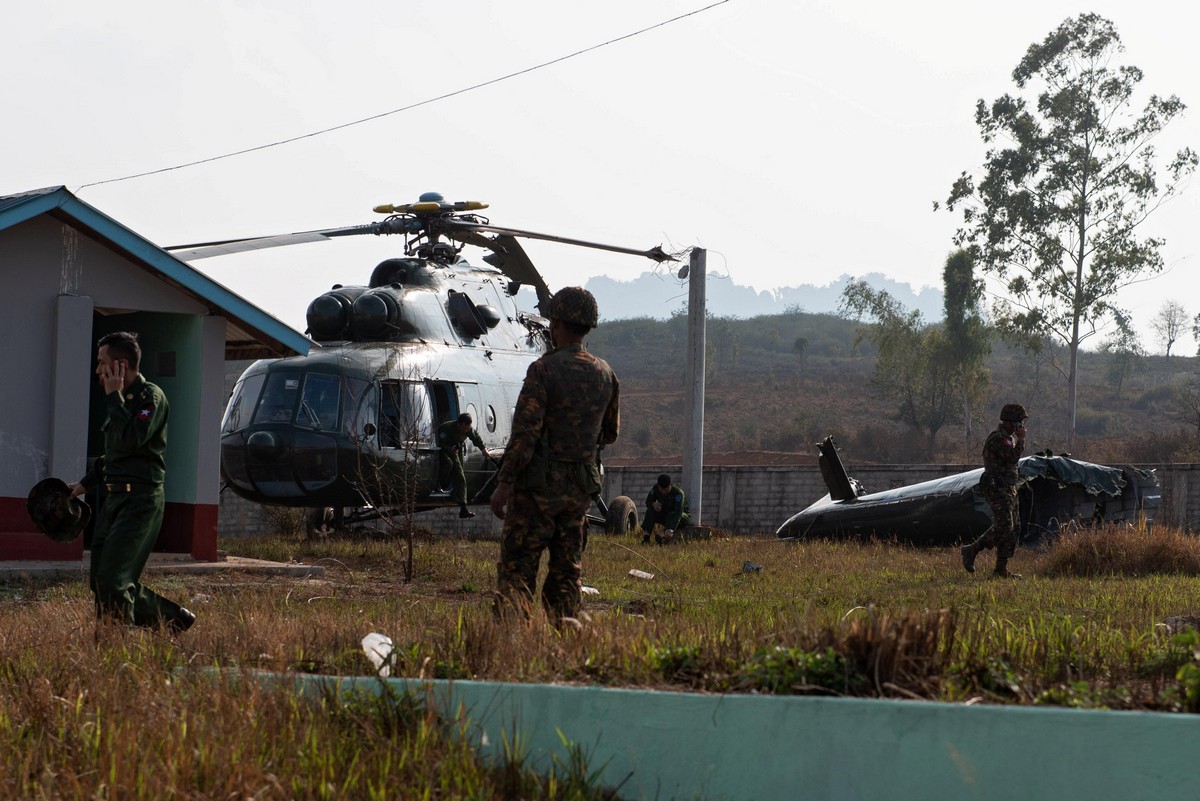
(795, 140)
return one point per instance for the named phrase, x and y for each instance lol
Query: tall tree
(967, 334)
(1169, 323)
(1125, 354)
(914, 365)
(1069, 177)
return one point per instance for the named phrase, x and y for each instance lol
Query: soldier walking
(131, 471)
(1001, 452)
(567, 408)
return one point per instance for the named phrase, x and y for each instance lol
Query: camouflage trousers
(546, 519)
(1002, 534)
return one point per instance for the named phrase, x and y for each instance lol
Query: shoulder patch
(144, 412)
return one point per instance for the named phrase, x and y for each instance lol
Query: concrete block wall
(757, 500)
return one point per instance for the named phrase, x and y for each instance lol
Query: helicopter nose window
(278, 399)
(320, 402)
(241, 403)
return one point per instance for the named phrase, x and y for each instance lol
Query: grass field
(1100, 620)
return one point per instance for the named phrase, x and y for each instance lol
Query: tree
(967, 333)
(914, 365)
(1068, 180)
(1196, 332)
(1125, 354)
(1168, 323)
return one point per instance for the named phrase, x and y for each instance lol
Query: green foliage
(918, 366)
(1188, 675)
(993, 676)
(677, 661)
(788, 671)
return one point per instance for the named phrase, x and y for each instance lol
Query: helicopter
(348, 431)
(1056, 493)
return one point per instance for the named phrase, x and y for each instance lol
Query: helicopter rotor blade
(656, 253)
(510, 258)
(224, 247)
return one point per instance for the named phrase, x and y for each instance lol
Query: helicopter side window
(358, 406)
(320, 402)
(278, 399)
(241, 403)
(405, 414)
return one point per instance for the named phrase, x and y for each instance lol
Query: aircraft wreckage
(1054, 491)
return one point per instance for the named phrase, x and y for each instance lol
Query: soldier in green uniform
(1001, 452)
(666, 505)
(450, 437)
(567, 409)
(131, 472)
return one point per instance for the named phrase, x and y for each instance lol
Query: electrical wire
(411, 106)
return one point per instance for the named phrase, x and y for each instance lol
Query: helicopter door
(476, 463)
(406, 414)
(445, 401)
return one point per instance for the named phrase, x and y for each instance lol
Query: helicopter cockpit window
(320, 402)
(241, 403)
(405, 414)
(278, 399)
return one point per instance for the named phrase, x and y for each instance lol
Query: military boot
(969, 552)
(1002, 570)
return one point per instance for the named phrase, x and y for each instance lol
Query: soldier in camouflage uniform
(450, 437)
(1001, 452)
(567, 408)
(131, 472)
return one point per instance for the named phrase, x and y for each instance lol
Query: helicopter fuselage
(353, 423)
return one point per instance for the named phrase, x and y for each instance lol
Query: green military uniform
(673, 516)
(131, 473)
(450, 466)
(567, 406)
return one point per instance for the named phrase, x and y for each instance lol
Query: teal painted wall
(659, 745)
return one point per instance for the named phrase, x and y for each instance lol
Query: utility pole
(693, 376)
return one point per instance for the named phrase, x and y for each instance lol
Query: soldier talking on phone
(131, 471)
(1001, 452)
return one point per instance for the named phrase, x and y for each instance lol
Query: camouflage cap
(574, 304)
(1013, 413)
(55, 513)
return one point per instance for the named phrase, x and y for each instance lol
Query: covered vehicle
(1054, 491)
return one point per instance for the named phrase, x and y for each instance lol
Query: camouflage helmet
(55, 513)
(1013, 413)
(574, 304)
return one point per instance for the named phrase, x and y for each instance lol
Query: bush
(1121, 550)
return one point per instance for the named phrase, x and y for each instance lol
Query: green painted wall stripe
(660, 745)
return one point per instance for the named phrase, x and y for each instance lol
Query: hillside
(780, 383)
(777, 384)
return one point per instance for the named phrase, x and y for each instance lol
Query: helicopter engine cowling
(329, 316)
(378, 315)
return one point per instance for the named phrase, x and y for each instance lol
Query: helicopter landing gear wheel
(622, 516)
(320, 523)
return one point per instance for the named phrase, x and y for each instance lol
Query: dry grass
(1094, 623)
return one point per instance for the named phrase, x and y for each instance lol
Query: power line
(412, 106)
